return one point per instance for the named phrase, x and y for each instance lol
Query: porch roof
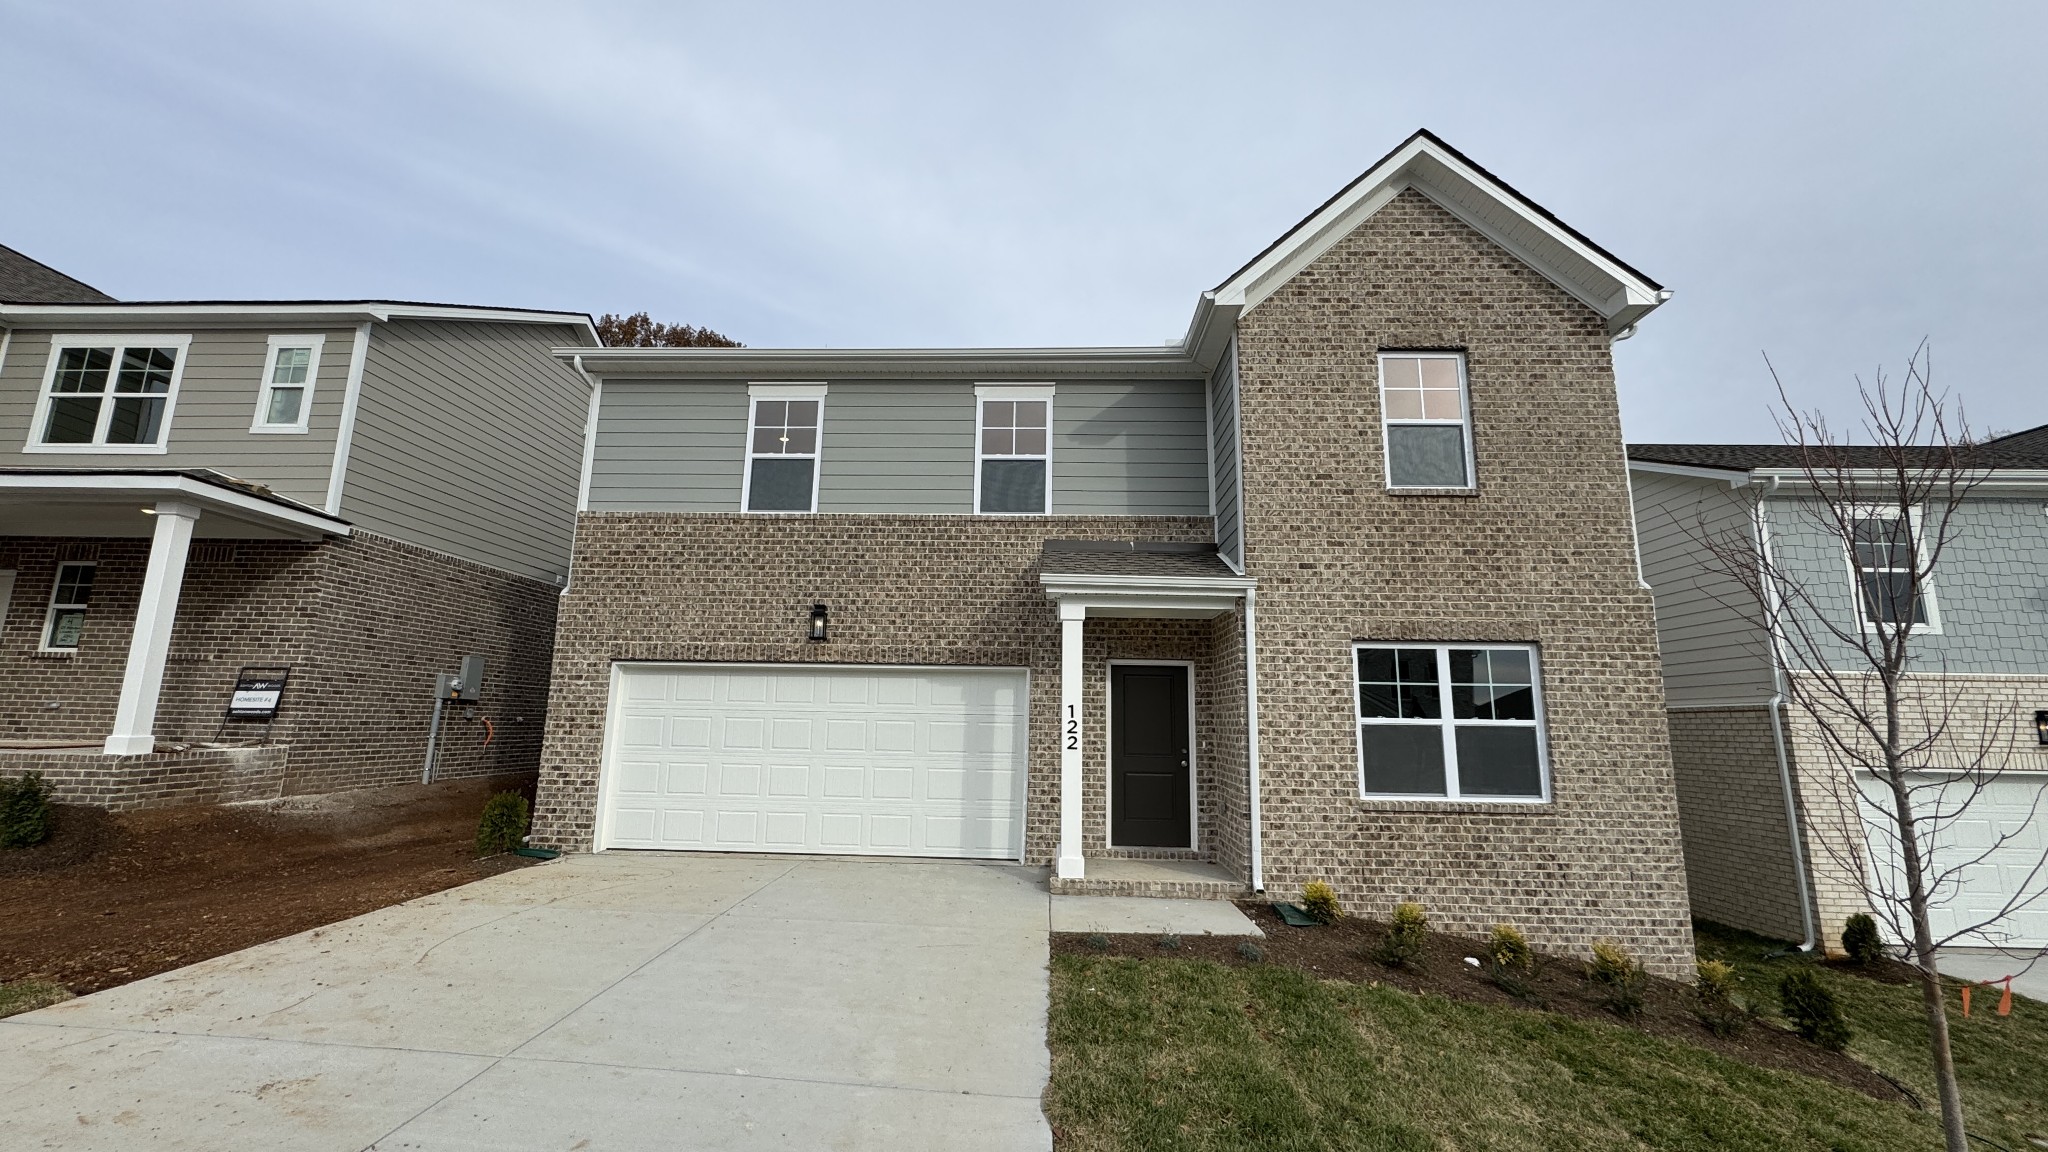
(1140, 578)
(112, 502)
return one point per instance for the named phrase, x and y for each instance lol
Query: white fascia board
(1989, 482)
(1733, 477)
(340, 313)
(1026, 365)
(1060, 584)
(114, 485)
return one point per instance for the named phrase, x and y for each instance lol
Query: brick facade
(1542, 553)
(365, 622)
(1731, 806)
(158, 779)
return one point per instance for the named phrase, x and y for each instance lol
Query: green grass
(2001, 1061)
(1189, 1054)
(29, 995)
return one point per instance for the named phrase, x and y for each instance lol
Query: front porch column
(135, 718)
(1072, 618)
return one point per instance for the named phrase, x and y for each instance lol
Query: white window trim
(1449, 727)
(50, 609)
(265, 384)
(983, 393)
(1863, 620)
(1464, 421)
(117, 341)
(757, 393)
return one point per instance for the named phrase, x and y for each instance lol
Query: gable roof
(1425, 163)
(24, 280)
(2031, 440)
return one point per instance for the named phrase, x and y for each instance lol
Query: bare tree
(643, 331)
(1904, 754)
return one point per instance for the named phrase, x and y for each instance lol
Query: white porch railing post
(1072, 619)
(143, 681)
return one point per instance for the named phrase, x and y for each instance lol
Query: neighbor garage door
(849, 759)
(2007, 825)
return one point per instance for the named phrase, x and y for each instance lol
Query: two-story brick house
(1341, 586)
(362, 492)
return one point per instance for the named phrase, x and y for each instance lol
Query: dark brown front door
(1148, 756)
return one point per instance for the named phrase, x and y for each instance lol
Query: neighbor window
(1423, 413)
(68, 600)
(286, 398)
(1013, 452)
(1885, 549)
(108, 394)
(1459, 722)
(782, 449)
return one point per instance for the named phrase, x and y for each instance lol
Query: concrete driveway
(2028, 970)
(596, 1002)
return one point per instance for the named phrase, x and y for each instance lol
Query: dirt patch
(113, 898)
(1343, 951)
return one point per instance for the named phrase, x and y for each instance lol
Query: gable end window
(1450, 722)
(1424, 419)
(285, 399)
(108, 394)
(64, 623)
(1884, 551)
(1013, 451)
(783, 425)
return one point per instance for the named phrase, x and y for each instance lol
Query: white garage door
(2014, 808)
(847, 759)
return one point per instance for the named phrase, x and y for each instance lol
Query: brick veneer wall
(156, 780)
(1731, 809)
(901, 590)
(1543, 553)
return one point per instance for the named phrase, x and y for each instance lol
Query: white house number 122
(1073, 728)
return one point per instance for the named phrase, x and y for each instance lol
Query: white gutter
(1251, 720)
(1777, 704)
(344, 437)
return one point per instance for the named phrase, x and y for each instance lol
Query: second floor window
(782, 452)
(1013, 452)
(286, 398)
(1424, 416)
(108, 395)
(1885, 553)
(69, 596)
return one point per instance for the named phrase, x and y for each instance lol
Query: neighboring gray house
(1341, 586)
(361, 491)
(27, 281)
(1745, 758)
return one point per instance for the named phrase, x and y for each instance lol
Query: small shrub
(504, 824)
(1169, 942)
(1251, 952)
(1098, 941)
(1319, 900)
(24, 811)
(1509, 959)
(1403, 945)
(1620, 977)
(1713, 998)
(1812, 1009)
(1860, 939)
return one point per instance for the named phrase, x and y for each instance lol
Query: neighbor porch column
(135, 717)
(1072, 618)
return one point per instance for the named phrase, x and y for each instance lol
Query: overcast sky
(1828, 183)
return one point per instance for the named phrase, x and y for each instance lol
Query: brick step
(1166, 879)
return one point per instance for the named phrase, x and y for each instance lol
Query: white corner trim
(264, 384)
(590, 436)
(351, 402)
(1013, 391)
(786, 391)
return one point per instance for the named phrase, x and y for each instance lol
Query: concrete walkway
(596, 1002)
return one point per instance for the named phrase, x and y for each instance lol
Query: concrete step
(1163, 879)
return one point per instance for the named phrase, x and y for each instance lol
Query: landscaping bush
(1713, 998)
(503, 827)
(24, 811)
(1509, 959)
(1620, 977)
(1251, 952)
(1812, 1010)
(1860, 939)
(1169, 942)
(1403, 945)
(1319, 900)
(1098, 941)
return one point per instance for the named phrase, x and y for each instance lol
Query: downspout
(1251, 720)
(596, 387)
(1761, 523)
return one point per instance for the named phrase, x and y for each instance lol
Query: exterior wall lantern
(818, 635)
(2041, 726)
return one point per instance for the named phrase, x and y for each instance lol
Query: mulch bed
(1343, 951)
(110, 898)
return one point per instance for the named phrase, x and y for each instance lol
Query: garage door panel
(1990, 853)
(897, 761)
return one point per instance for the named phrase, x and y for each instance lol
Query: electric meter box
(467, 684)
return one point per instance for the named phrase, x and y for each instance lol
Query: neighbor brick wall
(901, 590)
(1731, 809)
(1542, 553)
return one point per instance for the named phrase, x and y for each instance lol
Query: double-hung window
(1891, 590)
(782, 448)
(1425, 420)
(1013, 450)
(69, 596)
(1452, 721)
(108, 393)
(286, 398)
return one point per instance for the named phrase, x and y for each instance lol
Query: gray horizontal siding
(1119, 447)
(1714, 650)
(1223, 452)
(469, 440)
(210, 421)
